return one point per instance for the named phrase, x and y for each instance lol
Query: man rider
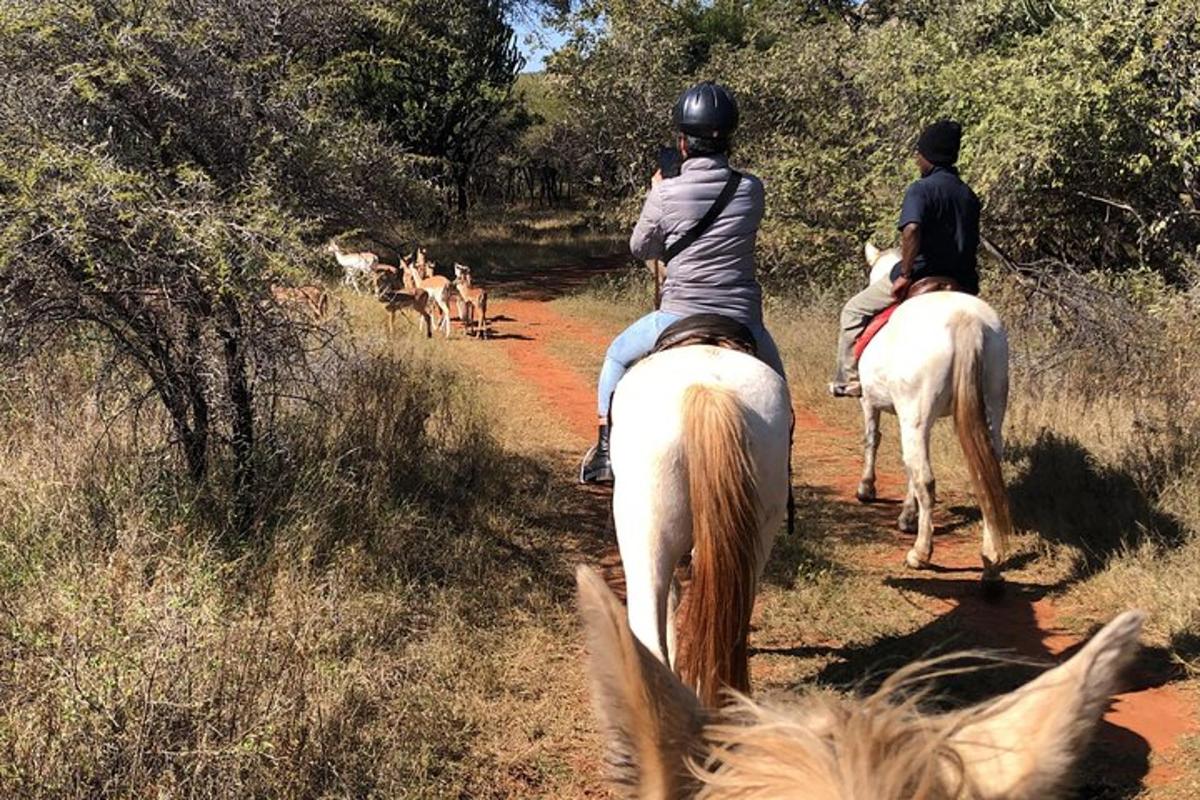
(939, 228)
(715, 273)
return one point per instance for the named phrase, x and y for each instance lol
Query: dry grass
(398, 628)
(498, 246)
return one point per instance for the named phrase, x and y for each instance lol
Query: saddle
(711, 329)
(933, 283)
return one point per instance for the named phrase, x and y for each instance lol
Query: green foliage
(538, 94)
(1081, 117)
(162, 163)
(439, 75)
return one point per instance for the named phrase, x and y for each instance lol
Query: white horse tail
(970, 421)
(725, 531)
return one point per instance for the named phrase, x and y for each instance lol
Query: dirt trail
(1143, 729)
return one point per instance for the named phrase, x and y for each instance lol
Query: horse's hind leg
(652, 540)
(648, 590)
(914, 441)
(907, 522)
(866, 487)
(995, 389)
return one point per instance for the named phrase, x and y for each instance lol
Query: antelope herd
(414, 285)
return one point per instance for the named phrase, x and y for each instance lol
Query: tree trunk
(241, 403)
(190, 429)
(461, 192)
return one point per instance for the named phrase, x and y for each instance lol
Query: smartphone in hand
(669, 162)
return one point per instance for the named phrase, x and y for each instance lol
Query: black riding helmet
(706, 111)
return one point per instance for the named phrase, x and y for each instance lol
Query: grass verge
(398, 627)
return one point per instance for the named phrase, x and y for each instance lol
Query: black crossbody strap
(705, 222)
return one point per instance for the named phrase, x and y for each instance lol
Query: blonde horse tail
(970, 421)
(721, 483)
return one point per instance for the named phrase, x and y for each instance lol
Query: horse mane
(883, 746)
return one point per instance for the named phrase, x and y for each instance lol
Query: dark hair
(703, 146)
(940, 142)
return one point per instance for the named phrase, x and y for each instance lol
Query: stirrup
(594, 474)
(851, 389)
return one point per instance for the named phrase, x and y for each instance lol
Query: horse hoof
(865, 493)
(914, 561)
(906, 524)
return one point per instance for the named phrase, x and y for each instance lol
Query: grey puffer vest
(716, 273)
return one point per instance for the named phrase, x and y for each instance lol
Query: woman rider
(712, 275)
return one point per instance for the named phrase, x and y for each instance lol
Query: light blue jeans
(636, 342)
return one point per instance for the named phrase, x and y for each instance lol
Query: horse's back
(648, 405)
(652, 391)
(914, 353)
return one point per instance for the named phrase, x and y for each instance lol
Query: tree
(439, 74)
(160, 164)
(1081, 117)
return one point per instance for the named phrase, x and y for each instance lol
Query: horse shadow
(1066, 494)
(822, 516)
(1069, 497)
(1120, 758)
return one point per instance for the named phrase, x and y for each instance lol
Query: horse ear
(1024, 744)
(651, 722)
(872, 253)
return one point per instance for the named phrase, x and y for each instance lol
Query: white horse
(700, 456)
(941, 354)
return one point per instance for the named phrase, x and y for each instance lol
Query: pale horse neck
(884, 264)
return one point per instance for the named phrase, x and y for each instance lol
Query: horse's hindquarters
(648, 418)
(652, 503)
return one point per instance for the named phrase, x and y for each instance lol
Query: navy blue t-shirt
(948, 213)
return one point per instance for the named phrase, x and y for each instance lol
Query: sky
(535, 52)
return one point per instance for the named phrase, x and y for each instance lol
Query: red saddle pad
(876, 324)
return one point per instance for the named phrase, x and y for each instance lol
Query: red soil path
(1145, 724)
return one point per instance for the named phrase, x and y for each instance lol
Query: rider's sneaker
(596, 467)
(851, 389)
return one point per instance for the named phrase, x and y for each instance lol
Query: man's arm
(648, 241)
(912, 211)
(910, 246)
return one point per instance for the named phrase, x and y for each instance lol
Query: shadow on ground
(1069, 497)
(1105, 506)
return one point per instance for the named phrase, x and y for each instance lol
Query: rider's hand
(900, 287)
(656, 178)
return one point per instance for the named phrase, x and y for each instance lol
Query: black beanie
(940, 141)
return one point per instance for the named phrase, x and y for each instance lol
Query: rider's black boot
(597, 468)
